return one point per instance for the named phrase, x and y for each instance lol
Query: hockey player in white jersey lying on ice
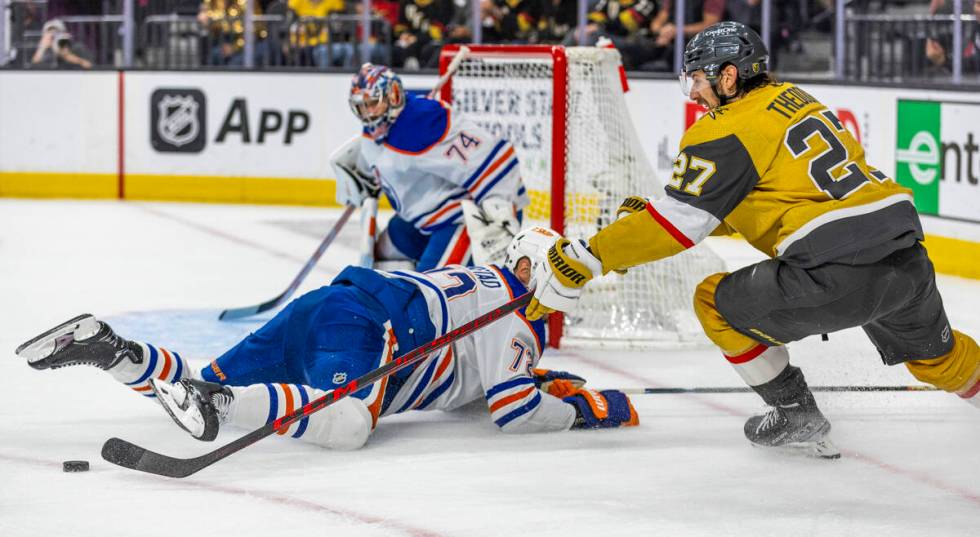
(362, 320)
(436, 168)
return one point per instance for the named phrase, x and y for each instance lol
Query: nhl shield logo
(177, 122)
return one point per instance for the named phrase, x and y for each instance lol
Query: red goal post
(564, 111)
(559, 63)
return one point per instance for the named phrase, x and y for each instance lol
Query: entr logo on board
(937, 156)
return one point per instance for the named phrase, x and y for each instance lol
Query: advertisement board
(239, 137)
(937, 156)
(58, 134)
(267, 137)
(233, 136)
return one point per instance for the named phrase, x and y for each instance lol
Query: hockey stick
(129, 455)
(247, 311)
(746, 389)
(464, 51)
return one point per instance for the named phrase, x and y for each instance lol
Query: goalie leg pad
(447, 246)
(400, 241)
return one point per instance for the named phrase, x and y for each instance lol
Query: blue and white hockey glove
(600, 410)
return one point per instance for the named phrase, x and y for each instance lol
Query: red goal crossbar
(559, 109)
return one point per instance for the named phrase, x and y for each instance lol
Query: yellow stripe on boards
(265, 190)
(950, 256)
(59, 185)
(259, 190)
(954, 256)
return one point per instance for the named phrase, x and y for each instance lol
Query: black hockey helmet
(724, 43)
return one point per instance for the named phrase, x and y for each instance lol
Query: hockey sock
(788, 387)
(345, 424)
(760, 364)
(957, 372)
(157, 363)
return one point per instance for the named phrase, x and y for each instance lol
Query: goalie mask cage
(564, 111)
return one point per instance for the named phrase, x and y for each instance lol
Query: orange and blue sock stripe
(283, 396)
(161, 364)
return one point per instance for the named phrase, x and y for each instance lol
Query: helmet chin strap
(722, 99)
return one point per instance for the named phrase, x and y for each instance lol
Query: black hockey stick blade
(248, 311)
(129, 455)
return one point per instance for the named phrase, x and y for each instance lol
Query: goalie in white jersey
(433, 166)
(362, 320)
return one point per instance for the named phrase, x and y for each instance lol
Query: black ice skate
(197, 406)
(83, 340)
(798, 426)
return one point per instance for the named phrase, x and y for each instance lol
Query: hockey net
(564, 111)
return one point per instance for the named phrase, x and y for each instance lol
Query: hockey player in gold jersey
(773, 164)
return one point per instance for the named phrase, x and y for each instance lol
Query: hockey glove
(546, 379)
(630, 205)
(600, 410)
(570, 265)
(491, 226)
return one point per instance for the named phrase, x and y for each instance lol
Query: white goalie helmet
(532, 243)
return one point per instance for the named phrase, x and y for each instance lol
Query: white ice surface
(162, 272)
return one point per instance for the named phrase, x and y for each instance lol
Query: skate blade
(818, 449)
(167, 395)
(82, 327)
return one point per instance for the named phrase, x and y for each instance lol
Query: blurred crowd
(408, 34)
(405, 33)
(939, 45)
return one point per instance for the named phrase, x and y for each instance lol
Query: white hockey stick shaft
(464, 51)
(248, 311)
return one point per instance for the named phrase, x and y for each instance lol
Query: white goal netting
(511, 94)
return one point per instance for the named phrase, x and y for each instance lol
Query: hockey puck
(75, 466)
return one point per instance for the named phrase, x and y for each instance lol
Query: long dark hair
(758, 81)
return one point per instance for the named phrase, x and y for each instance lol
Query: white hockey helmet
(532, 243)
